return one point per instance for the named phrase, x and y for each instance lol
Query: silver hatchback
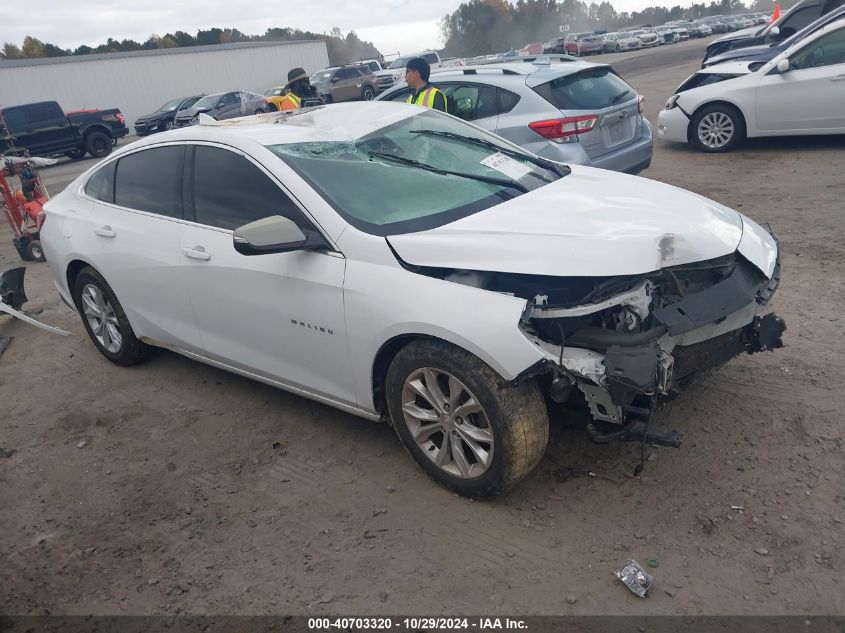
(572, 112)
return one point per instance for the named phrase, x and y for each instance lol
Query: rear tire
(717, 128)
(98, 144)
(271, 107)
(494, 433)
(105, 321)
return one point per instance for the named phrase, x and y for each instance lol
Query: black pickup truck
(45, 130)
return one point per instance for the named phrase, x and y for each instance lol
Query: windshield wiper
(540, 162)
(448, 172)
(619, 97)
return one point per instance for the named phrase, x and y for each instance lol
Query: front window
(210, 102)
(321, 77)
(400, 62)
(367, 185)
(170, 105)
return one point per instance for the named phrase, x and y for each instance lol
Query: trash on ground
(6, 453)
(653, 562)
(637, 579)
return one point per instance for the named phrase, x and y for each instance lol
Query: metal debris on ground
(4, 343)
(6, 453)
(637, 579)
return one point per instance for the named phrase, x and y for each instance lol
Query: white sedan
(801, 91)
(398, 263)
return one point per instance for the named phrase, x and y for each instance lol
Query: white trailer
(138, 82)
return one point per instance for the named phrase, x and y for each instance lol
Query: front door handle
(197, 252)
(838, 78)
(105, 231)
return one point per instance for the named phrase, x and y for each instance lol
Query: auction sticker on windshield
(506, 165)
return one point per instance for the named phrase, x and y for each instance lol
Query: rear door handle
(197, 252)
(838, 78)
(105, 231)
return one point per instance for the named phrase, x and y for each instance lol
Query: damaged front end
(629, 344)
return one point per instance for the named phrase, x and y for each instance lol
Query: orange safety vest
(426, 98)
(290, 102)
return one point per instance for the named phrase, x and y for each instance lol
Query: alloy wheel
(101, 318)
(715, 130)
(448, 423)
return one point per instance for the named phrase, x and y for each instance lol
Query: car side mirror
(783, 66)
(335, 79)
(775, 31)
(275, 234)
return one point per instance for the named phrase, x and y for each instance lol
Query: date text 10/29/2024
(416, 624)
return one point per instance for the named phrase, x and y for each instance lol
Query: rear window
(151, 180)
(101, 184)
(593, 89)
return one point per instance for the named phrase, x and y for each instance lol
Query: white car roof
(338, 122)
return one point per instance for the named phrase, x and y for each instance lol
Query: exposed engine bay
(629, 343)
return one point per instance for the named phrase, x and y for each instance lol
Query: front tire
(368, 94)
(467, 428)
(105, 321)
(717, 128)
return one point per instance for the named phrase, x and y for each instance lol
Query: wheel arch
(381, 362)
(722, 102)
(72, 271)
(94, 127)
(391, 347)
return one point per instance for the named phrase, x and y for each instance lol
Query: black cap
(421, 66)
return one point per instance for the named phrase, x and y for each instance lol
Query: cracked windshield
(426, 167)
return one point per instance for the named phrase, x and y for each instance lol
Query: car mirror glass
(775, 31)
(783, 66)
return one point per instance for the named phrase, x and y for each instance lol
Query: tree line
(341, 49)
(491, 26)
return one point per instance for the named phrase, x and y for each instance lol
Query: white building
(138, 82)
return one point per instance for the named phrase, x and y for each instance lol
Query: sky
(394, 26)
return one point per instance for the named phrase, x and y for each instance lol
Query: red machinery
(24, 207)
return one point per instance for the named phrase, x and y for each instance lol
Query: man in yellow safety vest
(298, 88)
(417, 72)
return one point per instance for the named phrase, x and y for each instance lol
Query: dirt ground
(173, 487)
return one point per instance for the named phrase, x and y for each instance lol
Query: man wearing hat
(417, 72)
(298, 88)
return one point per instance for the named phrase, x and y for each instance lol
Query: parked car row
(774, 87)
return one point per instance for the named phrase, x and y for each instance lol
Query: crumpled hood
(742, 34)
(748, 53)
(591, 223)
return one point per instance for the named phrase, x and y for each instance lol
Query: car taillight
(565, 130)
(39, 220)
(121, 118)
(640, 101)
